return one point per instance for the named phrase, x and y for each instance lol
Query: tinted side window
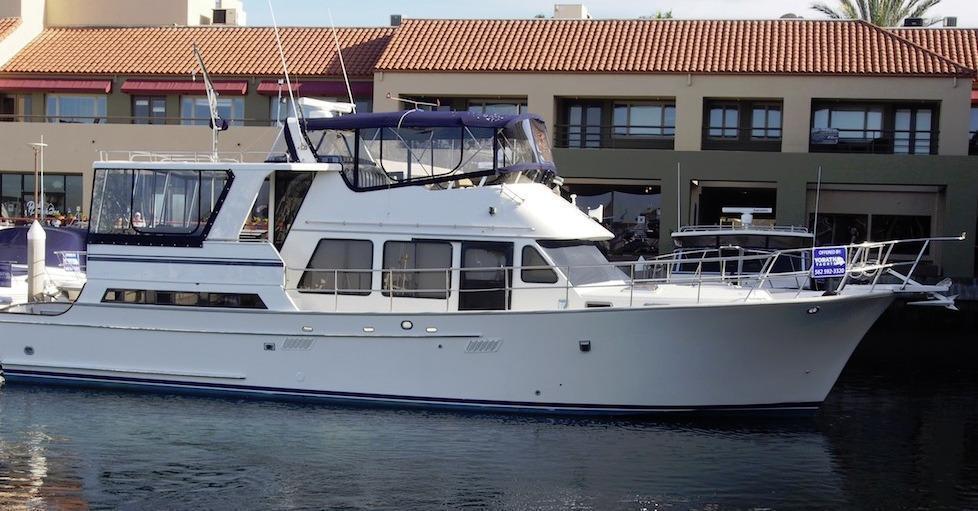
(337, 258)
(411, 268)
(533, 259)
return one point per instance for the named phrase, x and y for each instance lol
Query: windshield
(582, 262)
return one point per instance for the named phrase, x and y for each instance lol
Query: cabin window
(337, 261)
(582, 262)
(155, 207)
(417, 269)
(290, 192)
(184, 298)
(533, 270)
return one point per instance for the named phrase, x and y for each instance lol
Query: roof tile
(817, 47)
(7, 25)
(226, 51)
(957, 44)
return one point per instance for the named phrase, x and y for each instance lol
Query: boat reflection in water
(29, 480)
(898, 431)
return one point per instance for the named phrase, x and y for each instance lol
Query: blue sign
(828, 262)
(5, 274)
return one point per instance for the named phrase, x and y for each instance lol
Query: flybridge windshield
(385, 156)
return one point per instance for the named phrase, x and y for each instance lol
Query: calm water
(900, 430)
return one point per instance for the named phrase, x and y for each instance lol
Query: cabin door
(486, 286)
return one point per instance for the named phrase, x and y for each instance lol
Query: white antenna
(679, 195)
(818, 190)
(217, 124)
(285, 65)
(413, 102)
(339, 52)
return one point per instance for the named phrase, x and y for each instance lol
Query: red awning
(182, 87)
(45, 85)
(333, 89)
(974, 96)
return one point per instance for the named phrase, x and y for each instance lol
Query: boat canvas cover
(417, 119)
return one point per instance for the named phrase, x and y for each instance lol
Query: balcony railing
(610, 136)
(741, 139)
(128, 119)
(874, 141)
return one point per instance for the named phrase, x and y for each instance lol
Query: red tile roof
(7, 25)
(813, 47)
(957, 44)
(227, 51)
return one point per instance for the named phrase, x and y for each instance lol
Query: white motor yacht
(414, 259)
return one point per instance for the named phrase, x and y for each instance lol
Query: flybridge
(446, 149)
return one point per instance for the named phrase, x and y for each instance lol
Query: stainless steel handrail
(869, 259)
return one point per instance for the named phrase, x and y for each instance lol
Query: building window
(766, 121)
(417, 269)
(644, 119)
(874, 127)
(535, 269)
(195, 110)
(499, 107)
(973, 131)
(184, 298)
(912, 131)
(851, 123)
(648, 123)
(724, 120)
(149, 109)
(75, 108)
(742, 125)
(337, 257)
(62, 196)
(15, 107)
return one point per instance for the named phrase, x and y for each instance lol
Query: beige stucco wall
(541, 90)
(73, 13)
(72, 148)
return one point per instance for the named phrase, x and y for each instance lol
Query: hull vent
(483, 346)
(297, 344)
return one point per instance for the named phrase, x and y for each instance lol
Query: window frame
(973, 130)
(150, 117)
(204, 299)
(335, 290)
(386, 288)
(237, 117)
(628, 105)
(743, 138)
(156, 239)
(99, 112)
(523, 271)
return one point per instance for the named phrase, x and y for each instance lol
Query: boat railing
(866, 263)
(184, 156)
(744, 227)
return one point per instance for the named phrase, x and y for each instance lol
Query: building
(663, 122)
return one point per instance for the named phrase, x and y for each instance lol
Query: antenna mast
(339, 52)
(217, 124)
(285, 65)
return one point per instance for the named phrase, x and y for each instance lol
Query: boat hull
(737, 357)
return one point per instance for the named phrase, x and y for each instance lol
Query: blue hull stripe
(19, 375)
(217, 262)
